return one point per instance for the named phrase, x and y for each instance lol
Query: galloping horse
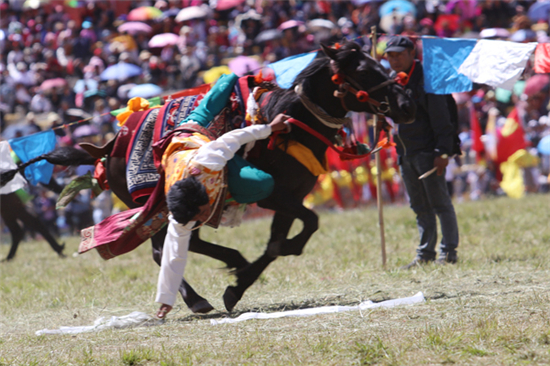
(343, 79)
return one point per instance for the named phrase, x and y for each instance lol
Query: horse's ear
(329, 51)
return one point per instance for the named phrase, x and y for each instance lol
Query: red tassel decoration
(362, 96)
(402, 78)
(337, 79)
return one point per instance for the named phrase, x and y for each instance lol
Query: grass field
(492, 308)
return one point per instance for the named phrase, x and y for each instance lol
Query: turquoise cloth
(214, 101)
(247, 183)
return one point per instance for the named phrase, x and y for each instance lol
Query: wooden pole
(379, 201)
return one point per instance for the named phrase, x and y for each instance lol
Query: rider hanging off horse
(189, 161)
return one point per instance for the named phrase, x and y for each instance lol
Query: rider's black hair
(184, 199)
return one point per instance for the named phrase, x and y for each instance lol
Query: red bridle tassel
(337, 79)
(362, 96)
(402, 78)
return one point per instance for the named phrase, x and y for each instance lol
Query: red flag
(510, 137)
(542, 58)
(477, 144)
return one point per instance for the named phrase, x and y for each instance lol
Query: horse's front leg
(280, 227)
(232, 258)
(287, 208)
(195, 302)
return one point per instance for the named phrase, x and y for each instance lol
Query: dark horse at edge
(314, 87)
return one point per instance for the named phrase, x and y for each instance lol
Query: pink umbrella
(135, 27)
(164, 39)
(227, 4)
(290, 24)
(243, 65)
(144, 13)
(53, 83)
(85, 130)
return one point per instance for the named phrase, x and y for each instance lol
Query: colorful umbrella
(320, 24)
(544, 145)
(399, 6)
(134, 28)
(290, 24)
(228, 4)
(164, 39)
(494, 33)
(144, 13)
(268, 35)
(145, 91)
(83, 85)
(120, 71)
(214, 73)
(192, 12)
(540, 10)
(170, 13)
(523, 35)
(77, 113)
(52, 83)
(243, 65)
(84, 131)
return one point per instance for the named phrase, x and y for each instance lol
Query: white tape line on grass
(135, 319)
(419, 297)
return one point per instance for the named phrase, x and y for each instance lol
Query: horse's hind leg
(195, 302)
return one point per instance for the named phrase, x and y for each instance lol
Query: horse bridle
(346, 84)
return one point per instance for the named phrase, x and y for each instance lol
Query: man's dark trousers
(429, 197)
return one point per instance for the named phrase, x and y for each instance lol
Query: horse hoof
(201, 307)
(230, 298)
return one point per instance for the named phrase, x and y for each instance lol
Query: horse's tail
(65, 156)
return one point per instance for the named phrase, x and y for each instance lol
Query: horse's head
(363, 85)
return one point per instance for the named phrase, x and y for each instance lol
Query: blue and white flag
(32, 146)
(288, 68)
(7, 163)
(442, 58)
(497, 63)
(452, 65)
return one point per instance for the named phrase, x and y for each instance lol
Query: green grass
(489, 309)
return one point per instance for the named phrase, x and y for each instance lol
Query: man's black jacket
(432, 129)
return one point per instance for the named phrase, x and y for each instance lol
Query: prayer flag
(287, 69)
(7, 163)
(510, 137)
(477, 144)
(32, 146)
(497, 63)
(442, 57)
(542, 58)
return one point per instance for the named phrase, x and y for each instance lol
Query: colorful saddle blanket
(143, 129)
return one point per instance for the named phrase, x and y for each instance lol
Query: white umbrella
(320, 24)
(164, 39)
(192, 12)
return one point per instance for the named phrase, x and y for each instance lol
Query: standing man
(425, 144)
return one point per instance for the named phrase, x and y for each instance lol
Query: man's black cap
(399, 44)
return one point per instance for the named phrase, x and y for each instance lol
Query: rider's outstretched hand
(279, 123)
(163, 311)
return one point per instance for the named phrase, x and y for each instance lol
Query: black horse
(341, 80)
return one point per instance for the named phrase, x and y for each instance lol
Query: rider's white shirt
(214, 155)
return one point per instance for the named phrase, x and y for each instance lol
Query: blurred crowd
(57, 59)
